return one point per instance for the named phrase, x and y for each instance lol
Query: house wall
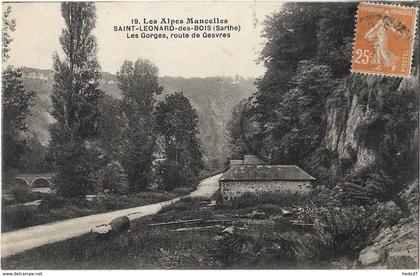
(233, 189)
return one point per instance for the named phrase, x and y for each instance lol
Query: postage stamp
(384, 39)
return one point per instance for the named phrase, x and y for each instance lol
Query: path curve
(18, 241)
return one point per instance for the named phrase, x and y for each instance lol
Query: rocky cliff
(356, 104)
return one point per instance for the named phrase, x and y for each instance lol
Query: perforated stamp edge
(414, 28)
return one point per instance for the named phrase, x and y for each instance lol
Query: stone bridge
(37, 180)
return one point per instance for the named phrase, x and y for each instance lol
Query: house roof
(265, 172)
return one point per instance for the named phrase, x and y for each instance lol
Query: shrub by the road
(345, 231)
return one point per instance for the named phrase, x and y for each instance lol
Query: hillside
(213, 98)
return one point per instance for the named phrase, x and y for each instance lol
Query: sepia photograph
(210, 135)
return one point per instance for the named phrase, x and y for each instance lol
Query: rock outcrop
(396, 247)
(352, 106)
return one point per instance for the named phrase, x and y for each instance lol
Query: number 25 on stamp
(384, 40)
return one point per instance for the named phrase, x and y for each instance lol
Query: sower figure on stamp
(378, 36)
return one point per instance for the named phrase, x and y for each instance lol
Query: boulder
(117, 225)
(394, 248)
(120, 224)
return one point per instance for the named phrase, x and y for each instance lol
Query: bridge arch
(41, 182)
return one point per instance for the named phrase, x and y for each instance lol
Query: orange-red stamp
(384, 39)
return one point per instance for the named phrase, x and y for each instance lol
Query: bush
(370, 134)
(344, 231)
(51, 202)
(184, 204)
(387, 214)
(182, 190)
(187, 207)
(15, 217)
(110, 176)
(25, 195)
(265, 247)
(230, 249)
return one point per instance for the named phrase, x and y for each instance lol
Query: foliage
(35, 156)
(25, 195)
(52, 202)
(170, 174)
(344, 231)
(184, 204)
(335, 36)
(76, 94)
(138, 82)
(182, 190)
(301, 31)
(186, 207)
(177, 123)
(265, 247)
(18, 216)
(228, 250)
(111, 125)
(16, 103)
(8, 26)
(400, 113)
(299, 129)
(76, 164)
(110, 177)
(235, 129)
(390, 132)
(387, 214)
(75, 97)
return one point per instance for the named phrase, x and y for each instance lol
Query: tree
(240, 128)
(300, 129)
(75, 98)
(112, 125)
(16, 103)
(138, 82)
(16, 107)
(176, 122)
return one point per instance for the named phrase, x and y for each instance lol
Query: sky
(39, 25)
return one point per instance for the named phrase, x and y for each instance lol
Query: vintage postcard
(209, 135)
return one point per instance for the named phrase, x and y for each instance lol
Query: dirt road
(21, 240)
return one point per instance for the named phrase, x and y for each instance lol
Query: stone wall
(233, 189)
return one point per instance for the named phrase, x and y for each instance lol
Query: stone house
(252, 175)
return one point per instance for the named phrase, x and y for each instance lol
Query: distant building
(253, 175)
